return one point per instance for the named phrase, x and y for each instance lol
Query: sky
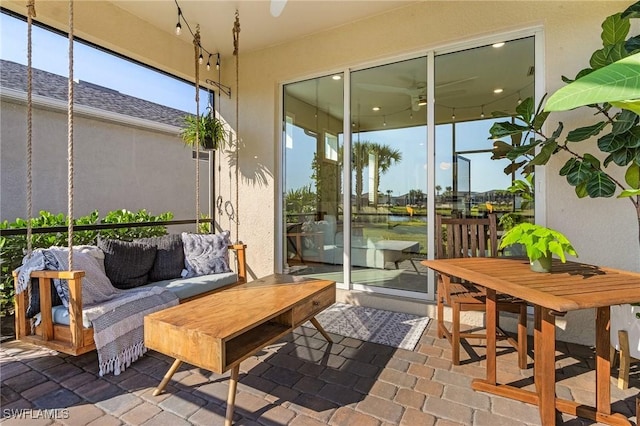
(50, 53)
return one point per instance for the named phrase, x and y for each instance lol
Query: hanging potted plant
(540, 243)
(211, 131)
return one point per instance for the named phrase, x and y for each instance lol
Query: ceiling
(258, 27)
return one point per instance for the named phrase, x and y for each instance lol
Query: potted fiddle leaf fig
(540, 243)
(211, 131)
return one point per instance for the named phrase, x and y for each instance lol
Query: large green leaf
(505, 128)
(600, 185)
(581, 190)
(624, 121)
(632, 44)
(629, 193)
(539, 120)
(584, 133)
(632, 176)
(615, 29)
(632, 105)
(545, 154)
(610, 143)
(568, 166)
(580, 172)
(513, 167)
(500, 150)
(632, 11)
(526, 109)
(595, 163)
(600, 58)
(623, 156)
(619, 81)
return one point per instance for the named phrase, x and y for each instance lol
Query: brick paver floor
(298, 381)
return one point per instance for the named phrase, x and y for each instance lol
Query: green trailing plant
(610, 89)
(539, 241)
(13, 248)
(211, 132)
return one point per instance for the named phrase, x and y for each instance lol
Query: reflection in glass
(389, 185)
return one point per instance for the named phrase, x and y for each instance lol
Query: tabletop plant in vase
(541, 243)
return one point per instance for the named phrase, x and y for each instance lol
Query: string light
(453, 114)
(178, 26)
(482, 112)
(181, 18)
(384, 120)
(519, 98)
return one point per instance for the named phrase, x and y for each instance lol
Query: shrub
(14, 247)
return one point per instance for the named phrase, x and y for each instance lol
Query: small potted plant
(540, 243)
(211, 131)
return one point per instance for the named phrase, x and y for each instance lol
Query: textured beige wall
(115, 167)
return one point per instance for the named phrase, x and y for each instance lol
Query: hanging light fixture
(218, 62)
(519, 98)
(482, 111)
(209, 62)
(453, 114)
(178, 25)
(200, 58)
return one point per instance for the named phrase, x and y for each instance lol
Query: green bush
(14, 247)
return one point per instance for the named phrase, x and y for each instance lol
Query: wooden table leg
(545, 374)
(603, 361)
(174, 367)
(231, 397)
(492, 319)
(322, 331)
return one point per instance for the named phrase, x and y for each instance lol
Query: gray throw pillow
(169, 261)
(127, 264)
(206, 254)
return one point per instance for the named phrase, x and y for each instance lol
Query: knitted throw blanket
(118, 325)
(117, 316)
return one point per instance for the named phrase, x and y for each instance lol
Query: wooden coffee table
(219, 331)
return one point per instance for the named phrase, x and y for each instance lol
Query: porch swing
(74, 338)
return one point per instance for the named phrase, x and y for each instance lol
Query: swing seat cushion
(169, 261)
(60, 315)
(186, 288)
(127, 264)
(206, 254)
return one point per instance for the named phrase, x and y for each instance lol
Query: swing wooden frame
(76, 339)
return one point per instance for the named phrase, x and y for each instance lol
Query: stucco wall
(116, 166)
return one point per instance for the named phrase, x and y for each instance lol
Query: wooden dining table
(570, 286)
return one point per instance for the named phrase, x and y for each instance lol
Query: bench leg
(174, 367)
(231, 397)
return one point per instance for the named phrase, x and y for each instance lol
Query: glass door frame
(540, 180)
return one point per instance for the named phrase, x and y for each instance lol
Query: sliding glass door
(385, 156)
(389, 176)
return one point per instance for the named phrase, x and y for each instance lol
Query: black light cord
(202, 49)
